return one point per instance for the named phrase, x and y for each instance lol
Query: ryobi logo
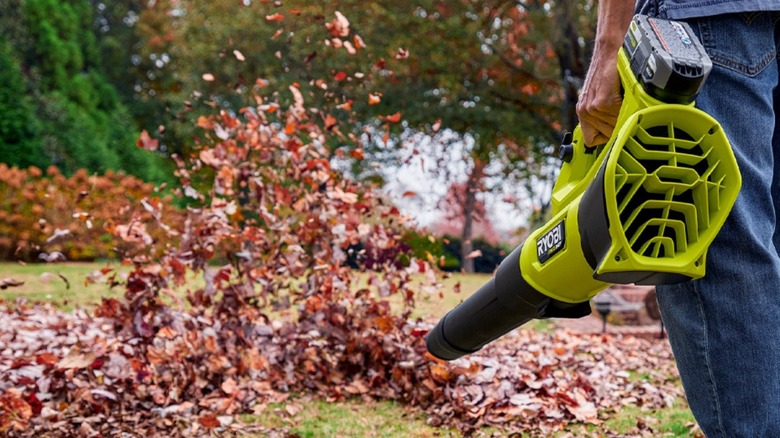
(551, 242)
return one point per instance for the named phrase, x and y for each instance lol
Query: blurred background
(451, 108)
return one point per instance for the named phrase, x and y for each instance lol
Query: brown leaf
(293, 409)
(229, 386)
(77, 359)
(5, 283)
(134, 232)
(14, 412)
(205, 123)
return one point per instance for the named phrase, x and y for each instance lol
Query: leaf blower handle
(504, 303)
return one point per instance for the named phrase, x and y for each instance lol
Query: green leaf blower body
(641, 209)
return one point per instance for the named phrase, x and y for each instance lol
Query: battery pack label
(551, 242)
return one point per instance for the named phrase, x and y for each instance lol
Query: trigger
(566, 151)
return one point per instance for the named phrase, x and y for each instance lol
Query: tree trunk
(473, 186)
(572, 59)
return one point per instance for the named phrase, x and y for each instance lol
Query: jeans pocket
(742, 42)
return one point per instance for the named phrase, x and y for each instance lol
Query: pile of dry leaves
(74, 373)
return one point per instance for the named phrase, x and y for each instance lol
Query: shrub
(487, 262)
(41, 214)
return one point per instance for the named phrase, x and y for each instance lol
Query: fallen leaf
(47, 359)
(76, 359)
(339, 26)
(209, 421)
(5, 283)
(229, 386)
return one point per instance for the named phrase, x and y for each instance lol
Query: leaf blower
(642, 209)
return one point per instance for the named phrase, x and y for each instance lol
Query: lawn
(66, 285)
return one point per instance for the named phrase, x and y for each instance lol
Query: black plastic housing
(504, 303)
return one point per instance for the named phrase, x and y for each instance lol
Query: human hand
(600, 99)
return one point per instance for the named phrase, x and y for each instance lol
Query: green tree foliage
(19, 130)
(61, 106)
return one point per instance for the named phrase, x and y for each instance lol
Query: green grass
(673, 421)
(349, 418)
(42, 282)
(356, 418)
(346, 418)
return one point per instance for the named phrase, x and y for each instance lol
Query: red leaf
(393, 118)
(339, 26)
(274, 17)
(359, 44)
(340, 76)
(356, 153)
(330, 122)
(146, 142)
(47, 359)
(346, 105)
(209, 421)
(35, 404)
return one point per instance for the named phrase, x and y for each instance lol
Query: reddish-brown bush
(76, 216)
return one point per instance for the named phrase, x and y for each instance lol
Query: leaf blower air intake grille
(669, 185)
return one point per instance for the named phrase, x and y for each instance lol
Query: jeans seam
(708, 362)
(726, 62)
(749, 71)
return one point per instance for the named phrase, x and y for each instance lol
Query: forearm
(600, 99)
(614, 17)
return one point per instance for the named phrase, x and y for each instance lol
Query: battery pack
(667, 59)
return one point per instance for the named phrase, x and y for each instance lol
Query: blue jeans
(725, 328)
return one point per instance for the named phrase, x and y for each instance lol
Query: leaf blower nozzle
(502, 304)
(641, 209)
